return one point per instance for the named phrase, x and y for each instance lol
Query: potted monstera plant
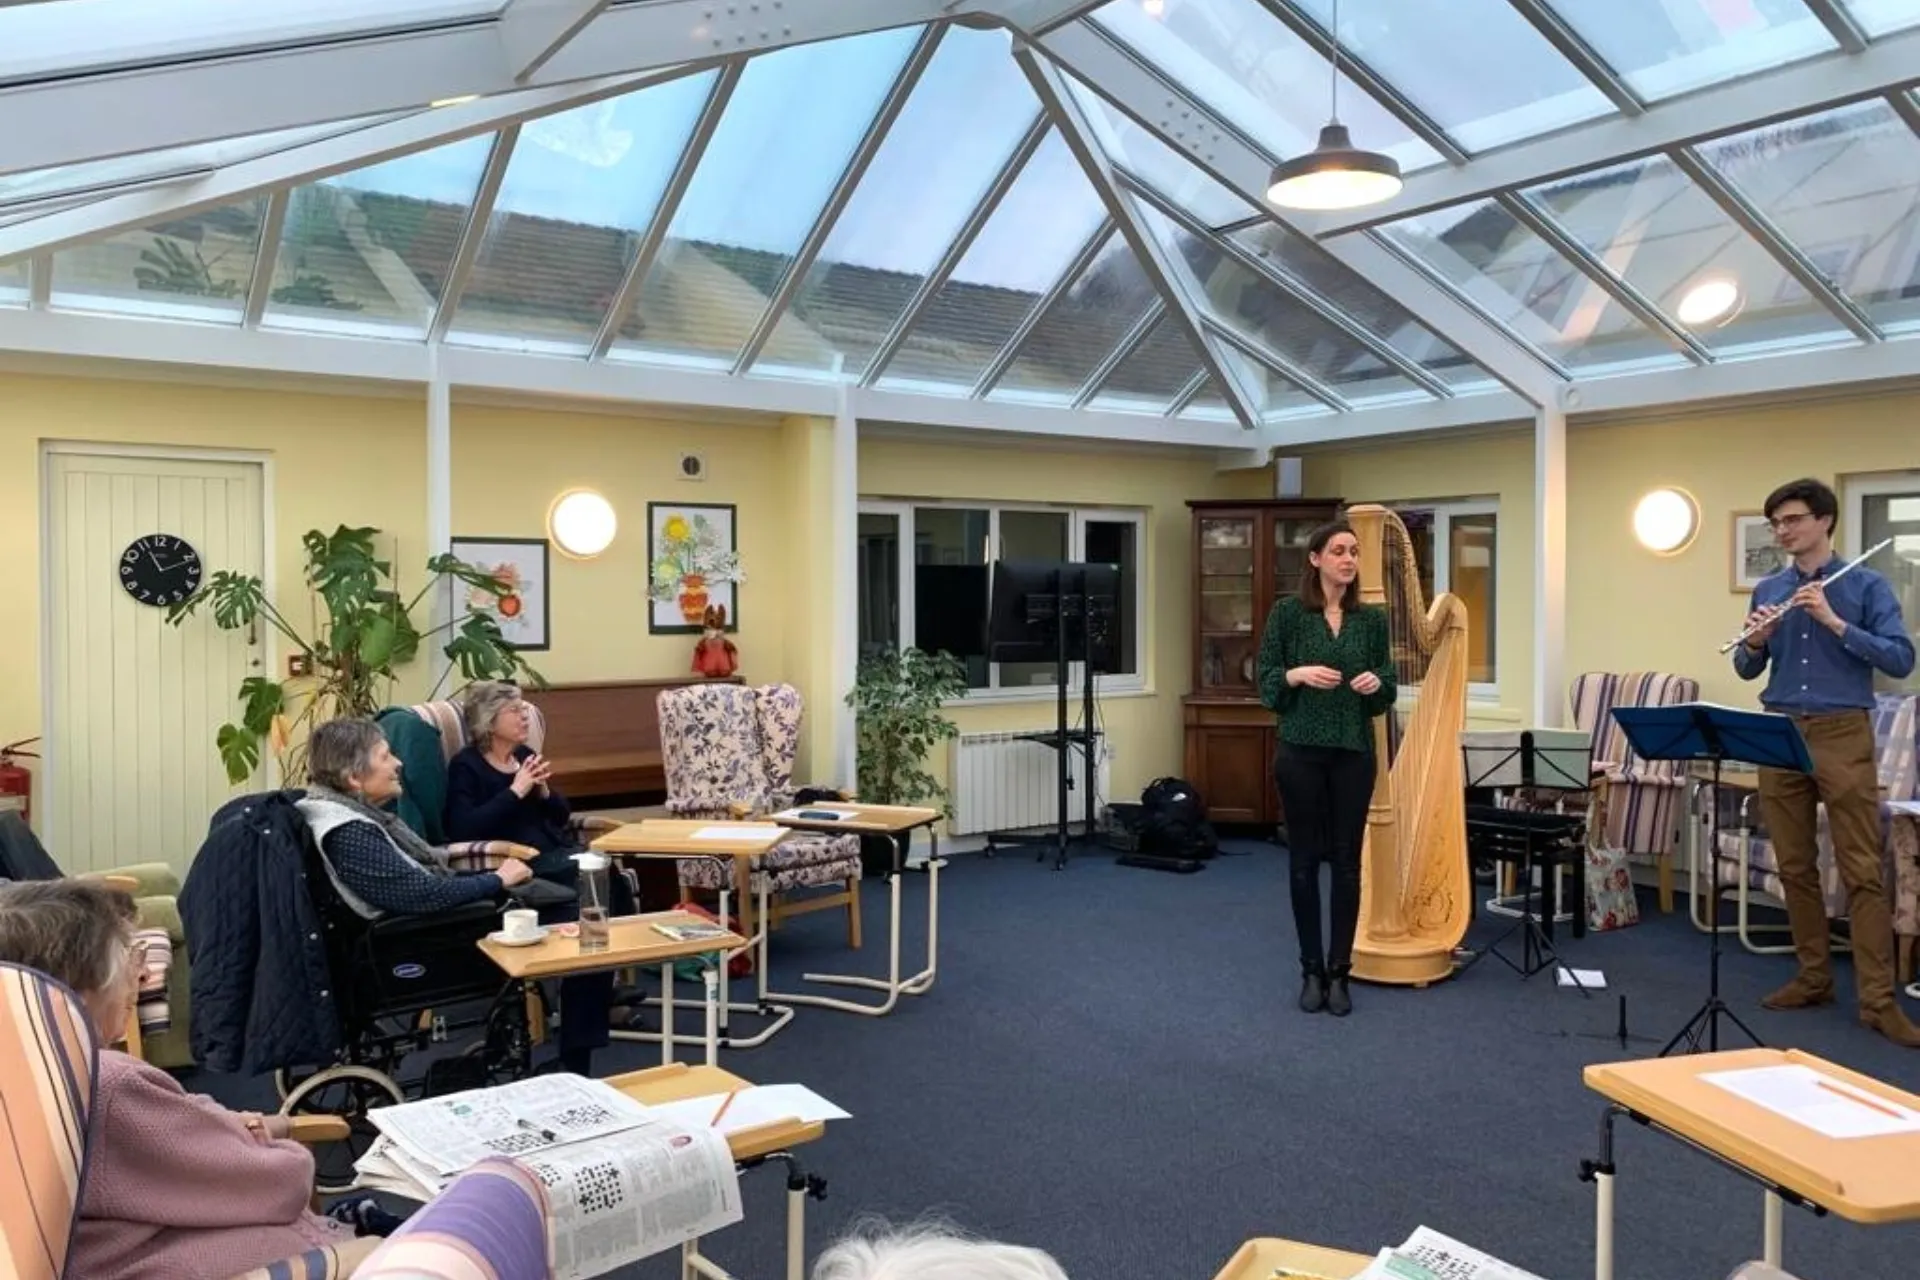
(899, 698)
(362, 634)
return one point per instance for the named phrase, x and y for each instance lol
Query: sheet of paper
(752, 1107)
(452, 1132)
(725, 832)
(838, 814)
(1809, 1097)
(1429, 1255)
(615, 1200)
(1591, 979)
(1911, 808)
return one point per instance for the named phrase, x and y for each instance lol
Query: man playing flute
(1822, 648)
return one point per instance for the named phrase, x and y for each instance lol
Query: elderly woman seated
(176, 1185)
(875, 1252)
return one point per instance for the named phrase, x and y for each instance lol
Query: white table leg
(1603, 1226)
(710, 978)
(796, 1232)
(892, 984)
(666, 1013)
(1772, 1228)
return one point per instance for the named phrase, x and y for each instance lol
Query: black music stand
(1534, 760)
(1702, 731)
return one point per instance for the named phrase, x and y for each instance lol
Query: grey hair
(339, 749)
(484, 702)
(930, 1251)
(75, 931)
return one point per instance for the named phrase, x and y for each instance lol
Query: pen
(724, 1104)
(548, 1134)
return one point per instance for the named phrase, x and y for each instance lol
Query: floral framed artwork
(524, 612)
(1755, 554)
(692, 565)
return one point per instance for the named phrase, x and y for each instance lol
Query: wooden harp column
(1416, 886)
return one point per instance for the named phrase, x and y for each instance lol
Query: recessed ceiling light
(1708, 301)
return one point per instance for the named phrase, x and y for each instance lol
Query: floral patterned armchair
(728, 751)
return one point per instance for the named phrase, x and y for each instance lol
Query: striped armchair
(1639, 802)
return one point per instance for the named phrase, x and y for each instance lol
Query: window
(924, 571)
(1877, 508)
(1468, 535)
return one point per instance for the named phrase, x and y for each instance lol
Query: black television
(1034, 599)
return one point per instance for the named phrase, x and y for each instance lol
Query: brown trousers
(1846, 778)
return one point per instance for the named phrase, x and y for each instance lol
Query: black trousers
(1325, 792)
(585, 999)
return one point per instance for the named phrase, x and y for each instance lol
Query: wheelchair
(405, 985)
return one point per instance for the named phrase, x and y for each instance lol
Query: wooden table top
(1260, 1259)
(679, 836)
(1865, 1180)
(880, 819)
(678, 1080)
(631, 940)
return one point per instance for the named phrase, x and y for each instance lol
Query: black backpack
(1173, 821)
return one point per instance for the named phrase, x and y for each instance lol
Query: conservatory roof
(1032, 213)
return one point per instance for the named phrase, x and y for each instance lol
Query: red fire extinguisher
(15, 779)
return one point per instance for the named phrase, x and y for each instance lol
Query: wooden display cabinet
(1246, 555)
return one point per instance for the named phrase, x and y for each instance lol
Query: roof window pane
(1046, 218)
(1274, 396)
(1142, 153)
(1665, 47)
(1157, 371)
(1476, 68)
(1248, 66)
(370, 249)
(196, 266)
(956, 133)
(1208, 405)
(1667, 238)
(1844, 187)
(792, 124)
(1520, 280)
(13, 283)
(1080, 329)
(1882, 17)
(576, 200)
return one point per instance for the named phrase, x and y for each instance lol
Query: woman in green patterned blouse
(1327, 670)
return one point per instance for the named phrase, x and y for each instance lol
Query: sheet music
(742, 832)
(450, 1133)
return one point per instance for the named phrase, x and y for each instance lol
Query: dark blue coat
(261, 993)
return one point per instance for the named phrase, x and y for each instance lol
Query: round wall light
(581, 523)
(1712, 301)
(1666, 520)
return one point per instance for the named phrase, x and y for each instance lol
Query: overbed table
(1273, 1259)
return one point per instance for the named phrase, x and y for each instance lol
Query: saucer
(499, 937)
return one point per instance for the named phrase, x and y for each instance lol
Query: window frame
(1854, 492)
(1443, 513)
(1078, 517)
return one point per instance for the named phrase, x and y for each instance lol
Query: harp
(1416, 886)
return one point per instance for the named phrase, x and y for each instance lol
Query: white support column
(844, 496)
(439, 494)
(1549, 567)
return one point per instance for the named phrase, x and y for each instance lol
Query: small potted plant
(898, 701)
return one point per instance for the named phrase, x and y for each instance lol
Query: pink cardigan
(177, 1187)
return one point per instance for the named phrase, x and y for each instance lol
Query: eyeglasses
(1782, 523)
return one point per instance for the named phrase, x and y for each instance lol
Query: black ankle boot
(1313, 989)
(1339, 1003)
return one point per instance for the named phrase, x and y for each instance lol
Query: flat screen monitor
(1034, 599)
(946, 609)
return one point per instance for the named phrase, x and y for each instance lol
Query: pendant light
(1335, 174)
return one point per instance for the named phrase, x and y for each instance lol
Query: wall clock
(160, 569)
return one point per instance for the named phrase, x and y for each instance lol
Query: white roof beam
(260, 287)
(1800, 88)
(1221, 152)
(533, 31)
(1461, 413)
(297, 165)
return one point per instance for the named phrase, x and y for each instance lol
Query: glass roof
(912, 213)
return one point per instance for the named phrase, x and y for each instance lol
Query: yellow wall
(1628, 609)
(1144, 729)
(336, 460)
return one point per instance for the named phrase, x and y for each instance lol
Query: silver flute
(1778, 611)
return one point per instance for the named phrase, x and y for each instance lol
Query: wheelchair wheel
(287, 1079)
(349, 1093)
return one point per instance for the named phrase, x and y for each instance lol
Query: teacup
(520, 924)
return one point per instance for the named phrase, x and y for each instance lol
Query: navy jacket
(261, 993)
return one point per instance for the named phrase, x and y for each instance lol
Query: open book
(623, 1182)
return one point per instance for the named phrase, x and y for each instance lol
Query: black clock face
(160, 569)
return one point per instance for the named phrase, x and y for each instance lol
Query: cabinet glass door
(1290, 554)
(1227, 624)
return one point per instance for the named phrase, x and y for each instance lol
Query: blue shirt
(1814, 670)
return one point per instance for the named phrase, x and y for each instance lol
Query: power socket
(298, 665)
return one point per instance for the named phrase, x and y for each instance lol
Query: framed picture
(525, 612)
(692, 565)
(1755, 553)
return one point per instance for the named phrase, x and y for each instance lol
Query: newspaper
(1429, 1255)
(449, 1133)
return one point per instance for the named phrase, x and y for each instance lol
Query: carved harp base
(1403, 962)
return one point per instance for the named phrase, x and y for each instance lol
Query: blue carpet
(1111, 1068)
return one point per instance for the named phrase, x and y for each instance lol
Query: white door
(134, 703)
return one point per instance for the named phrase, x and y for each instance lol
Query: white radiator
(1006, 782)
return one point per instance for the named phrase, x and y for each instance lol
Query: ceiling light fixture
(1665, 521)
(1335, 174)
(581, 523)
(1713, 299)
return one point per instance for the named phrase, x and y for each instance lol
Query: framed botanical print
(524, 610)
(693, 565)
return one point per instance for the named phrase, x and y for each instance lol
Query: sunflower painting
(520, 565)
(691, 564)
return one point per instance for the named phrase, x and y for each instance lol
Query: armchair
(728, 751)
(1637, 803)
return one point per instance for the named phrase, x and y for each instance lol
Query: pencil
(724, 1104)
(1851, 1096)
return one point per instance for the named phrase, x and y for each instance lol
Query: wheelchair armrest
(313, 1130)
(475, 918)
(487, 855)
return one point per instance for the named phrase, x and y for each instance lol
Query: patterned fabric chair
(729, 751)
(1896, 719)
(489, 1224)
(1638, 802)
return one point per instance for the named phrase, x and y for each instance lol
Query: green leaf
(479, 650)
(343, 569)
(406, 637)
(262, 699)
(239, 751)
(377, 636)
